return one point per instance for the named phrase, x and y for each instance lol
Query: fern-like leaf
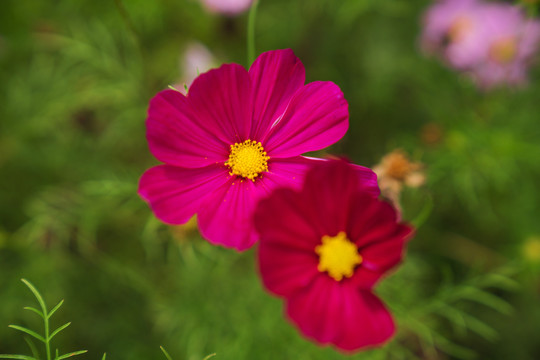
(165, 353)
(55, 308)
(75, 353)
(29, 332)
(58, 330)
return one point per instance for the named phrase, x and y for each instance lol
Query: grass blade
(166, 353)
(71, 354)
(22, 357)
(209, 356)
(29, 332)
(58, 330)
(104, 356)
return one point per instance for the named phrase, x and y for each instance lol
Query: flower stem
(251, 32)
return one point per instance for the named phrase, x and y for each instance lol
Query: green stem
(251, 32)
(47, 342)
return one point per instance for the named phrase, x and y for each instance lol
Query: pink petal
(275, 77)
(316, 117)
(329, 312)
(175, 135)
(175, 193)
(221, 100)
(226, 217)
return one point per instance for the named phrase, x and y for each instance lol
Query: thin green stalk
(251, 32)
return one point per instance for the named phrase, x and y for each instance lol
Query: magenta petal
(175, 136)
(226, 217)
(366, 322)
(285, 270)
(387, 250)
(222, 101)
(175, 194)
(329, 312)
(316, 117)
(373, 227)
(284, 220)
(289, 172)
(275, 77)
(333, 184)
(317, 309)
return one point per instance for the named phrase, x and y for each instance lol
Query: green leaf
(23, 357)
(29, 332)
(55, 308)
(34, 310)
(166, 353)
(209, 356)
(487, 299)
(481, 328)
(37, 295)
(58, 330)
(71, 354)
(104, 356)
(32, 347)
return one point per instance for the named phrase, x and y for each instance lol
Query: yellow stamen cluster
(503, 50)
(247, 159)
(338, 256)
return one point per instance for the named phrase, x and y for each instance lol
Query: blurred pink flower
(509, 43)
(324, 248)
(451, 28)
(235, 137)
(493, 42)
(227, 7)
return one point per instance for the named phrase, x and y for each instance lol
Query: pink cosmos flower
(227, 7)
(451, 28)
(509, 43)
(236, 136)
(493, 42)
(324, 248)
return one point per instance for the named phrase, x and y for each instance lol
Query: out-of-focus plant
(47, 336)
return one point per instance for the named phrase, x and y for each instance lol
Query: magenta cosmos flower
(235, 136)
(324, 248)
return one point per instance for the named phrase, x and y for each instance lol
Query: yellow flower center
(503, 50)
(338, 256)
(247, 159)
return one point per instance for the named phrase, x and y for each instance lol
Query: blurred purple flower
(227, 7)
(493, 43)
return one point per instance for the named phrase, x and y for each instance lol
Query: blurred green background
(75, 81)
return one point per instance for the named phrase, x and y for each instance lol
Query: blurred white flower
(227, 7)
(194, 60)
